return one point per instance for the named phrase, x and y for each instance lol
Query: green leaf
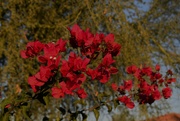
(45, 119)
(83, 102)
(25, 112)
(116, 103)
(107, 93)
(74, 116)
(63, 111)
(77, 102)
(109, 107)
(84, 116)
(46, 99)
(41, 99)
(96, 113)
(4, 117)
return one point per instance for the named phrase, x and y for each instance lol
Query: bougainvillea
(146, 85)
(75, 70)
(151, 86)
(72, 68)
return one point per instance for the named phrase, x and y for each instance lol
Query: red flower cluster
(127, 86)
(32, 49)
(91, 45)
(149, 82)
(127, 101)
(104, 69)
(74, 70)
(66, 75)
(50, 60)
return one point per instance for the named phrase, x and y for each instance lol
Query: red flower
(130, 105)
(61, 45)
(80, 64)
(40, 78)
(127, 101)
(114, 86)
(51, 53)
(107, 60)
(121, 88)
(131, 69)
(167, 92)
(112, 47)
(145, 88)
(57, 92)
(44, 74)
(155, 76)
(169, 72)
(157, 67)
(32, 49)
(53, 64)
(7, 106)
(72, 85)
(92, 73)
(156, 94)
(158, 75)
(91, 48)
(123, 99)
(109, 38)
(143, 99)
(64, 68)
(72, 57)
(88, 38)
(104, 70)
(104, 78)
(161, 81)
(74, 64)
(113, 70)
(77, 36)
(146, 71)
(42, 59)
(169, 81)
(64, 88)
(80, 78)
(81, 93)
(128, 85)
(103, 74)
(77, 78)
(50, 50)
(34, 88)
(34, 81)
(71, 76)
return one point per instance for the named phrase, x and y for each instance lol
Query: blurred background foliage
(148, 31)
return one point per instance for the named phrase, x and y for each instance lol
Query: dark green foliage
(63, 111)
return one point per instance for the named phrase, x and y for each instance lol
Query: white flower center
(54, 58)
